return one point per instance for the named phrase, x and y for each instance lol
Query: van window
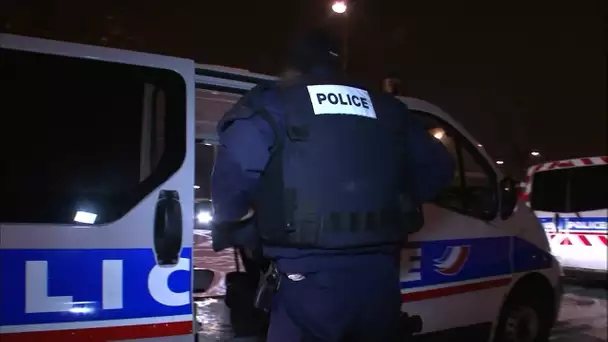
(474, 188)
(549, 190)
(589, 188)
(451, 197)
(211, 105)
(570, 190)
(205, 158)
(85, 135)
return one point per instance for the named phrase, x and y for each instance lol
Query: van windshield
(570, 190)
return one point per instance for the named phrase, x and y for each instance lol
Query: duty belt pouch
(267, 287)
(246, 320)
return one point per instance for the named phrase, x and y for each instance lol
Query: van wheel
(523, 320)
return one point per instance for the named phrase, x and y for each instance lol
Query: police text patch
(339, 99)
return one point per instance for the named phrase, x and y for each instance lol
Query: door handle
(168, 228)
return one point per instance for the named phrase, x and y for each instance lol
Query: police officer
(330, 174)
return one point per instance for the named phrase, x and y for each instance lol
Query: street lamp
(339, 7)
(500, 162)
(535, 154)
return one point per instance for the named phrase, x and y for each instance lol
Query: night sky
(520, 75)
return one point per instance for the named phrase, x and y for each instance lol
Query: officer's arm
(431, 166)
(241, 157)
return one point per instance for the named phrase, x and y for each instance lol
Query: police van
(103, 152)
(570, 198)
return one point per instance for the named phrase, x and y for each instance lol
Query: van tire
(524, 318)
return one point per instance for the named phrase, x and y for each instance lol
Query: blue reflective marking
(528, 257)
(78, 273)
(487, 257)
(577, 224)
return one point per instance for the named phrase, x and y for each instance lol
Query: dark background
(520, 75)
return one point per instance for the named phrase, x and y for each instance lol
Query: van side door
(97, 210)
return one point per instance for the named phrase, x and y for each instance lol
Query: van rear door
(97, 193)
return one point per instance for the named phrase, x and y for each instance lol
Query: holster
(267, 288)
(241, 291)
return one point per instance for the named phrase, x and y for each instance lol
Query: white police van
(100, 149)
(570, 198)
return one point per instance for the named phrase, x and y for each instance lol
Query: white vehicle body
(569, 197)
(462, 272)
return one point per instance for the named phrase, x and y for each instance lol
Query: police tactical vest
(336, 178)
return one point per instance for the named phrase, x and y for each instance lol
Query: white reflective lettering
(36, 290)
(111, 286)
(586, 225)
(340, 99)
(549, 225)
(158, 284)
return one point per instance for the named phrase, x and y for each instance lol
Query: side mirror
(508, 197)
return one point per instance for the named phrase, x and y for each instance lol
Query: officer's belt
(308, 227)
(348, 221)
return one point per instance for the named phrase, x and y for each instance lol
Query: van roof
(526, 185)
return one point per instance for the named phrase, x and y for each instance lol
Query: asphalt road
(584, 313)
(583, 316)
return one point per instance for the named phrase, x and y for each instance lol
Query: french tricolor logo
(452, 260)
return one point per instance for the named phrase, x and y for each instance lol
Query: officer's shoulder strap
(292, 130)
(262, 112)
(251, 105)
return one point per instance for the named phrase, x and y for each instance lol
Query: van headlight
(204, 217)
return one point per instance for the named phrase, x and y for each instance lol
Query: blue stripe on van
(599, 224)
(454, 261)
(78, 273)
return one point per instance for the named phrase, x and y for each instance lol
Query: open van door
(97, 211)
(218, 88)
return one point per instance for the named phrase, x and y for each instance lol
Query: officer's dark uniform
(332, 171)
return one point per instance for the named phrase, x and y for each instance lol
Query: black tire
(524, 318)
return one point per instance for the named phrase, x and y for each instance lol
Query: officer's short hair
(315, 48)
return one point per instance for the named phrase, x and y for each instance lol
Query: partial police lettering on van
(340, 99)
(55, 286)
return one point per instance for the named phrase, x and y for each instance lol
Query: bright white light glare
(204, 217)
(500, 162)
(535, 153)
(85, 217)
(479, 145)
(339, 7)
(438, 133)
(81, 310)
(197, 187)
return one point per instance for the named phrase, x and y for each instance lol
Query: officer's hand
(248, 215)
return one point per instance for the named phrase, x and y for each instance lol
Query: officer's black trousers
(356, 303)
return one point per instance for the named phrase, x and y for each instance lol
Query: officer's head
(315, 49)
